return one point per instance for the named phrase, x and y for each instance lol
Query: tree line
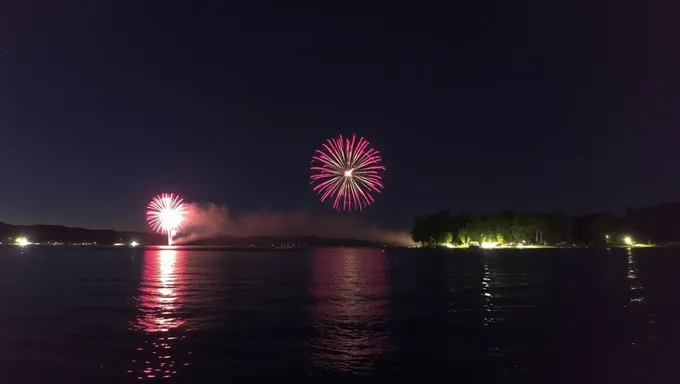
(659, 223)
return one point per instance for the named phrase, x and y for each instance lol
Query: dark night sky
(475, 106)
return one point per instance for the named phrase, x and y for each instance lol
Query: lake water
(71, 315)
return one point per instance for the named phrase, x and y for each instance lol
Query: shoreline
(528, 247)
(180, 247)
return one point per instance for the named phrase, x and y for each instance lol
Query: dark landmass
(70, 235)
(61, 234)
(646, 225)
(278, 241)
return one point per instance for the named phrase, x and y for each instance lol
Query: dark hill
(61, 234)
(277, 241)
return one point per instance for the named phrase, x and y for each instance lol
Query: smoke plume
(210, 220)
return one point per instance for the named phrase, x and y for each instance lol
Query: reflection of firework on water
(347, 170)
(160, 321)
(351, 289)
(166, 214)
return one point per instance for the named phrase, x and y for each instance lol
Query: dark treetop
(643, 225)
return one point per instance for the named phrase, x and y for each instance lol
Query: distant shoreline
(55, 235)
(316, 247)
(189, 247)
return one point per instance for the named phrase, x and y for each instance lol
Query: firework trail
(166, 214)
(348, 172)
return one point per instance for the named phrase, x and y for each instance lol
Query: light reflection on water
(635, 285)
(508, 303)
(637, 307)
(159, 317)
(87, 316)
(350, 288)
(490, 284)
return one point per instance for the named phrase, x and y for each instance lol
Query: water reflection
(490, 284)
(634, 282)
(159, 317)
(509, 297)
(493, 313)
(637, 307)
(350, 290)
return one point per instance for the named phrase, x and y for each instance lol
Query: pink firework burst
(166, 214)
(347, 171)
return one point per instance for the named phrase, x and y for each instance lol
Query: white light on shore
(628, 240)
(489, 245)
(134, 244)
(22, 241)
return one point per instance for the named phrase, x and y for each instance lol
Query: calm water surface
(128, 315)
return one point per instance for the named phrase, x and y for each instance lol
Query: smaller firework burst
(166, 214)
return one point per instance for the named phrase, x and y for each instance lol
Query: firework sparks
(166, 214)
(347, 171)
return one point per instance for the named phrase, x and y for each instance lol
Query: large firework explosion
(166, 214)
(347, 171)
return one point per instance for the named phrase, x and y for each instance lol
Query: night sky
(476, 105)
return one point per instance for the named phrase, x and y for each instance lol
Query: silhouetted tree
(659, 223)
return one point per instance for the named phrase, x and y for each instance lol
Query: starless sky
(474, 105)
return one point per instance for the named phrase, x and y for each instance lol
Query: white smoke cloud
(210, 220)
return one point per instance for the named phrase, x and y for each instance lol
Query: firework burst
(166, 214)
(348, 171)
